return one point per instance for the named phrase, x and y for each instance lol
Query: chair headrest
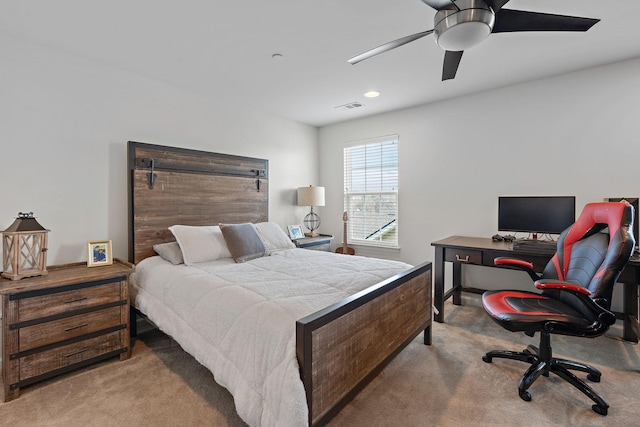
(598, 215)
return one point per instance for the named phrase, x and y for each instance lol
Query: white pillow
(273, 236)
(200, 243)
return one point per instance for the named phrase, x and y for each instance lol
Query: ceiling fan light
(464, 27)
(463, 36)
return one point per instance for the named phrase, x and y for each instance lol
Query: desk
(461, 250)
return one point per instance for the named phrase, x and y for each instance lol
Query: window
(371, 191)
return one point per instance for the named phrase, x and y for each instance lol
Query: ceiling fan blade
(441, 4)
(450, 64)
(508, 20)
(496, 5)
(388, 46)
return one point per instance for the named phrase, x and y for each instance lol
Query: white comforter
(238, 320)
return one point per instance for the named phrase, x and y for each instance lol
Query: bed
(334, 341)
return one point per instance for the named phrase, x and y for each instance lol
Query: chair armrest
(605, 315)
(559, 284)
(517, 264)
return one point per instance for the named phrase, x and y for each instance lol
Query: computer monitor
(536, 214)
(634, 202)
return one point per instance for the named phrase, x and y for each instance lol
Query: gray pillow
(243, 242)
(170, 252)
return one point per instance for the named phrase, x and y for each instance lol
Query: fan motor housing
(464, 26)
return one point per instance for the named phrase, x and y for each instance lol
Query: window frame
(349, 195)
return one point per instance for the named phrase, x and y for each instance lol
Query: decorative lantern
(24, 248)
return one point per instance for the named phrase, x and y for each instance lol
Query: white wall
(64, 124)
(64, 127)
(575, 134)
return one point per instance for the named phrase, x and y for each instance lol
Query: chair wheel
(594, 378)
(526, 396)
(602, 410)
(487, 359)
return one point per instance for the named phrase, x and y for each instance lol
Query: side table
(70, 318)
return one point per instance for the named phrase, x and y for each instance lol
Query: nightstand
(321, 242)
(70, 318)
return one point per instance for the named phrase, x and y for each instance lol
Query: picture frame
(99, 253)
(295, 231)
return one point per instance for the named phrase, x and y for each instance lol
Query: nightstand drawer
(60, 357)
(463, 255)
(321, 242)
(319, 247)
(69, 327)
(62, 302)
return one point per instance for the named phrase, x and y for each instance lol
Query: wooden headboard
(169, 185)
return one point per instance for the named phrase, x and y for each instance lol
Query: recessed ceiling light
(372, 94)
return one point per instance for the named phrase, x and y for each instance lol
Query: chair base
(542, 363)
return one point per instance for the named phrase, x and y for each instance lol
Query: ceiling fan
(461, 24)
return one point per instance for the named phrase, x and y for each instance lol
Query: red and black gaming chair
(576, 285)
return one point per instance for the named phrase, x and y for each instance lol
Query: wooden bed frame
(340, 348)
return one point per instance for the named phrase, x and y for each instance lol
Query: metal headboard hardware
(259, 173)
(149, 163)
(154, 164)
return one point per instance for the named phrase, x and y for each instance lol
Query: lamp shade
(311, 196)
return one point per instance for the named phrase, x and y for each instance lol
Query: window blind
(371, 191)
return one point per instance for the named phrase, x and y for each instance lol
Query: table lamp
(311, 196)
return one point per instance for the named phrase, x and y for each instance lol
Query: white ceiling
(224, 49)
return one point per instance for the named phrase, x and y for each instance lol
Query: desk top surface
(486, 243)
(473, 242)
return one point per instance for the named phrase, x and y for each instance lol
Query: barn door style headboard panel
(169, 185)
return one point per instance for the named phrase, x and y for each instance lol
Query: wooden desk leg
(438, 285)
(457, 283)
(630, 312)
(427, 335)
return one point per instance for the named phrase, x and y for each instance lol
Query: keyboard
(541, 246)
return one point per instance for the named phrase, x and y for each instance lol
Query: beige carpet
(445, 384)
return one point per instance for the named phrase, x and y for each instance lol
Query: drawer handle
(465, 259)
(76, 300)
(76, 352)
(76, 327)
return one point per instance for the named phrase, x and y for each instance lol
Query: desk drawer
(463, 255)
(628, 275)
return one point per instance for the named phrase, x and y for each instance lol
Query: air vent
(349, 106)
